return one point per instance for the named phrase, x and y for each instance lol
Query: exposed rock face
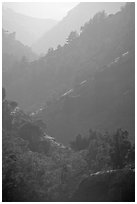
(108, 186)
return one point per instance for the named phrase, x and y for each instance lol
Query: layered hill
(75, 18)
(102, 39)
(13, 48)
(89, 83)
(28, 29)
(102, 95)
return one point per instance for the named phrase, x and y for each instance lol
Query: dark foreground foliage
(104, 151)
(37, 168)
(32, 176)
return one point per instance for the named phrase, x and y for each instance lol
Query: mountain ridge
(25, 26)
(74, 19)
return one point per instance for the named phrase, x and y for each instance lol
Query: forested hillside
(101, 40)
(68, 118)
(36, 168)
(102, 94)
(104, 101)
(73, 21)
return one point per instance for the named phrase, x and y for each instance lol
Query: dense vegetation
(89, 85)
(104, 101)
(100, 41)
(39, 169)
(105, 151)
(14, 55)
(74, 19)
(30, 174)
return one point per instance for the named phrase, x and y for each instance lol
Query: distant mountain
(14, 48)
(28, 29)
(75, 18)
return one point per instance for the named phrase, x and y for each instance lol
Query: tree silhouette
(72, 36)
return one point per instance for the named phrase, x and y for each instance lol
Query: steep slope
(73, 21)
(103, 102)
(101, 40)
(28, 29)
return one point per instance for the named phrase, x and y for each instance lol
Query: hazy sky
(42, 10)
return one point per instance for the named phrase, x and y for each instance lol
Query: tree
(131, 156)
(6, 112)
(72, 36)
(50, 51)
(99, 17)
(59, 47)
(119, 149)
(79, 143)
